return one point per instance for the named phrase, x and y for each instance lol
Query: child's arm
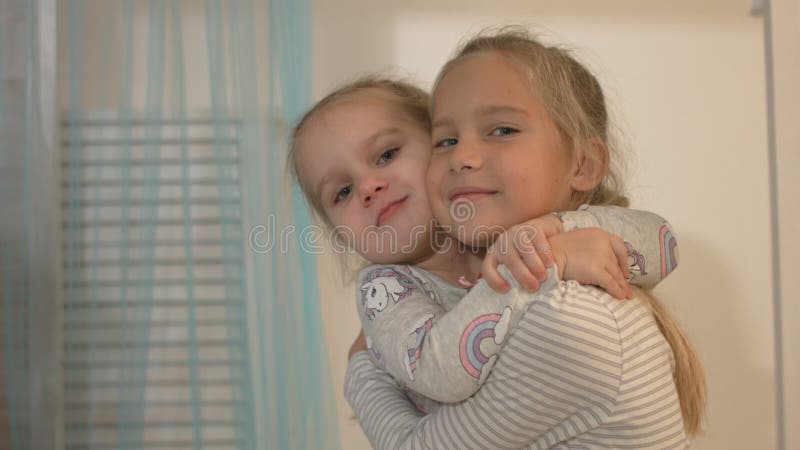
(651, 244)
(559, 376)
(444, 355)
(434, 353)
(645, 240)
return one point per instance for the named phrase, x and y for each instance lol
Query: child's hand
(593, 256)
(524, 250)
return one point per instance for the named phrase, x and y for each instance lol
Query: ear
(590, 165)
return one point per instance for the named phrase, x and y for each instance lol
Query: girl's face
(365, 161)
(498, 158)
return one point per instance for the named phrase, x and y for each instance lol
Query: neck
(451, 262)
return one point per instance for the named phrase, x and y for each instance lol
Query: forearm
(652, 246)
(444, 355)
(373, 394)
(558, 377)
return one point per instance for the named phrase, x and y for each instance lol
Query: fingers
(529, 256)
(621, 252)
(527, 268)
(491, 275)
(535, 241)
(622, 287)
(534, 265)
(608, 281)
(525, 252)
(520, 269)
(553, 225)
(531, 245)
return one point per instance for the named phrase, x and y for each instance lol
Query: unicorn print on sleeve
(381, 286)
(440, 354)
(648, 237)
(636, 263)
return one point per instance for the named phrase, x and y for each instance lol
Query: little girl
(520, 130)
(360, 155)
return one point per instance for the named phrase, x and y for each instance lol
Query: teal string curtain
(15, 199)
(29, 366)
(185, 324)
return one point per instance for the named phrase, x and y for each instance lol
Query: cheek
(430, 186)
(435, 174)
(346, 217)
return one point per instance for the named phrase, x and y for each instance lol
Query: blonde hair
(409, 99)
(688, 374)
(574, 99)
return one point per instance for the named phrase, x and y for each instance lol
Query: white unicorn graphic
(377, 294)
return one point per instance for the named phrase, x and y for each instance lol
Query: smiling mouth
(471, 195)
(389, 210)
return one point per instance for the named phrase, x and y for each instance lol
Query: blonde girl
(520, 129)
(361, 155)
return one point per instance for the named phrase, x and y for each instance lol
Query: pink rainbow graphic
(669, 248)
(472, 358)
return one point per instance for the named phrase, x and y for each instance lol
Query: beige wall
(785, 33)
(687, 79)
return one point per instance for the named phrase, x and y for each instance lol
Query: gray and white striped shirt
(580, 370)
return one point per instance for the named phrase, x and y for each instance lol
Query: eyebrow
(368, 142)
(494, 109)
(321, 184)
(485, 111)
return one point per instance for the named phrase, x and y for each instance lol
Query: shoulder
(581, 339)
(583, 321)
(589, 321)
(381, 286)
(570, 340)
(583, 305)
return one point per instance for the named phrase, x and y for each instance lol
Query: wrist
(580, 218)
(559, 255)
(556, 220)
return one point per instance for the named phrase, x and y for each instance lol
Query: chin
(384, 258)
(400, 256)
(476, 234)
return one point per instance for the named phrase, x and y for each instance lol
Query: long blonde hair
(689, 376)
(574, 99)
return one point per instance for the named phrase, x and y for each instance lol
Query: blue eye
(342, 194)
(447, 142)
(503, 131)
(387, 156)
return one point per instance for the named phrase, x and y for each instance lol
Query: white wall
(687, 79)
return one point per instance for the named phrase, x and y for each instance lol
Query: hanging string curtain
(177, 332)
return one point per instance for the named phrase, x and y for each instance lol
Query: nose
(369, 188)
(466, 156)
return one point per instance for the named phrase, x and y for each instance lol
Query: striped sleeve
(558, 377)
(375, 397)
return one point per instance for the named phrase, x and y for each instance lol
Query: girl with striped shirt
(521, 129)
(397, 295)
